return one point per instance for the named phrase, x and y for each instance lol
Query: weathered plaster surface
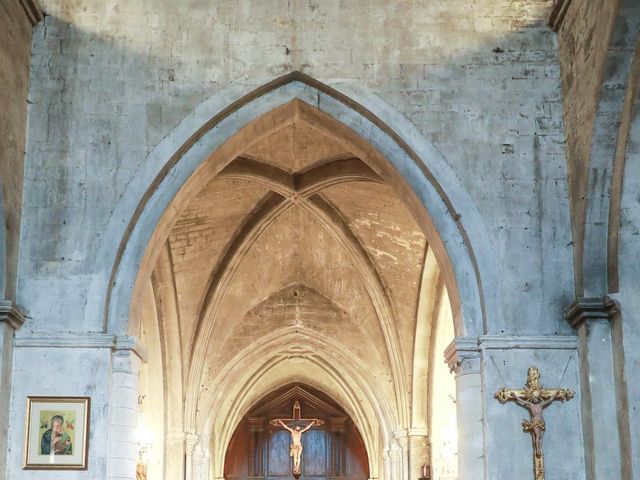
(61, 372)
(583, 39)
(505, 438)
(109, 82)
(15, 38)
(629, 280)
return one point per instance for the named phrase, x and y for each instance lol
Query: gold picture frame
(57, 433)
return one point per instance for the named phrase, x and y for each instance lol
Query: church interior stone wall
(162, 61)
(150, 147)
(16, 22)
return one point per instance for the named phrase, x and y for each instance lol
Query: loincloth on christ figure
(295, 450)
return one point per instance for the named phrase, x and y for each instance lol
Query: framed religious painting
(57, 433)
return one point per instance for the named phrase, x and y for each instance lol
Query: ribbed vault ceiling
(297, 232)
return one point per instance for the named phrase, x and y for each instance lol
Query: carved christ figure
(295, 449)
(535, 398)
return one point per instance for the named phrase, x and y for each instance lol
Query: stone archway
(452, 215)
(191, 158)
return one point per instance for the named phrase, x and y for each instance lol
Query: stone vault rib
(286, 195)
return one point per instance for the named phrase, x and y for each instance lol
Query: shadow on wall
(103, 94)
(3, 248)
(105, 90)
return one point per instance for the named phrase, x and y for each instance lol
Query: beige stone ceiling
(297, 232)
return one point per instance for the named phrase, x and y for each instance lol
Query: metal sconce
(426, 473)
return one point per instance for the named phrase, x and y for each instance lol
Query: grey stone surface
(628, 297)
(15, 38)
(508, 449)
(100, 102)
(481, 90)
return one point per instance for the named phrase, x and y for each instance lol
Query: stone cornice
(33, 10)
(418, 432)
(405, 433)
(461, 346)
(11, 314)
(558, 12)
(526, 342)
(64, 340)
(83, 340)
(590, 308)
(463, 355)
(131, 343)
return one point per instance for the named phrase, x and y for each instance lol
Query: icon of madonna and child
(56, 433)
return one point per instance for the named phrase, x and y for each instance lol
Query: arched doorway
(331, 449)
(293, 249)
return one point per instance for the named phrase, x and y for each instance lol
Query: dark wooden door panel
(331, 451)
(314, 456)
(279, 461)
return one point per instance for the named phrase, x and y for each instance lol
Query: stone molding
(132, 344)
(463, 356)
(64, 340)
(74, 340)
(405, 433)
(33, 10)
(177, 437)
(525, 342)
(11, 315)
(418, 432)
(558, 13)
(586, 309)
(190, 442)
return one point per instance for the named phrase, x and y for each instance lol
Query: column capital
(586, 309)
(190, 441)
(129, 344)
(463, 356)
(11, 315)
(418, 432)
(401, 435)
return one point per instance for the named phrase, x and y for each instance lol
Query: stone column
(393, 463)
(418, 451)
(128, 355)
(11, 319)
(463, 358)
(190, 442)
(200, 463)
(592, 318)
(174, 461)
(206, 464)
(402, 460)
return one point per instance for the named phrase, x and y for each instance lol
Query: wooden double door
(260, 450)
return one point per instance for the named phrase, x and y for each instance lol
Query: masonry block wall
(16, 21)
(482, 81)
(110, 80)
(600, 70)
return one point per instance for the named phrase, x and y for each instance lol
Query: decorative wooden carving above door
(261, 450)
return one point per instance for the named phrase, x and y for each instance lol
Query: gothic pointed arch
(204, 142)
(294, 235)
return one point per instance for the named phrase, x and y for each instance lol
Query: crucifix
(296, 426)
(535, 398)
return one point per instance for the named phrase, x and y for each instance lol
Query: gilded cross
(296, 426)
(535, 398)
